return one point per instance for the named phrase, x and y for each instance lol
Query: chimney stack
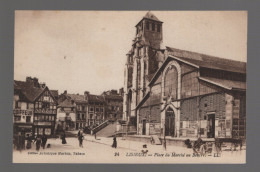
(86, 94)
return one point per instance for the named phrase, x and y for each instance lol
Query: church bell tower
(141, 63)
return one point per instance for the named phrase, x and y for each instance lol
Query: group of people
(22, 142)
(40, 142)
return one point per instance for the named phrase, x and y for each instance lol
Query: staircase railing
(99, 127)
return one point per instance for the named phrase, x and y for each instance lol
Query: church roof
(151, 16)
(227, 84)
(207, 61)
(201, 60)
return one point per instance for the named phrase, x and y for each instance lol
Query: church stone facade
(143, 60)
(178, 93)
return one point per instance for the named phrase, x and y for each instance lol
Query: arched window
(170, 82)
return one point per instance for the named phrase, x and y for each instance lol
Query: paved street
(100, 151)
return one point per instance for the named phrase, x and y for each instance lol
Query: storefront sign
(18, 112)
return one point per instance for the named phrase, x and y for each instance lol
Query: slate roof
(114, 97)
(28, 90)
(95, 98)
(208, 61)
(228, 84)
(55, 93)
(66, 103)
(151, 16)
(77, 98)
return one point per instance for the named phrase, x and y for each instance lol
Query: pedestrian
(63, 138)
(29, 142)
(38, 141)
(22, 141)
(80, 138)
(79, 133)
(19, 142)
(44, 141)
(114, 145)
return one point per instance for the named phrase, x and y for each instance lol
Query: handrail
(99, 127)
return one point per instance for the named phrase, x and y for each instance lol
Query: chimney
(29, 79)
(86, 94)
(113, 92)
(65, 92)
(121, 91)
(34, 81)
(43, 84)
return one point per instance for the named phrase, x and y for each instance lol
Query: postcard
(118, 87)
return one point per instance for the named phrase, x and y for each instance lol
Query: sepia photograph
(130, 87)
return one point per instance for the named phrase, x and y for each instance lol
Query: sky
(82, 51)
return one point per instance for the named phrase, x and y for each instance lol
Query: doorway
(144, 127)
(211, 125)
(169, 122)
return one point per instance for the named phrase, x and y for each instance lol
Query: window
(101, 109)
(83, 108)
(91, 116)
(40, 104)
(28, 119)
(158, 28)
(17, 118)
(78, 117)
(41, 118)
(45, 105)
(147, 25)
(153, 26)
(170, 82)
(97, 109)
(91, 109)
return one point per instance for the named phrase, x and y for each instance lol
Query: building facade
(35, 107)
(96, 109)
(66, 114)
(113, 105)
(143, 60)
(189, 95)
(88, 109)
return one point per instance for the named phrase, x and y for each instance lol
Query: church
(181, 94)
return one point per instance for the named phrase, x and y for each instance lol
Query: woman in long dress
(63, 138)
(114, 145)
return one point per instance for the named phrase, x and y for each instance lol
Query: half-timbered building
(36, 101)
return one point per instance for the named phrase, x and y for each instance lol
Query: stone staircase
(99, 127)
(107, 131)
